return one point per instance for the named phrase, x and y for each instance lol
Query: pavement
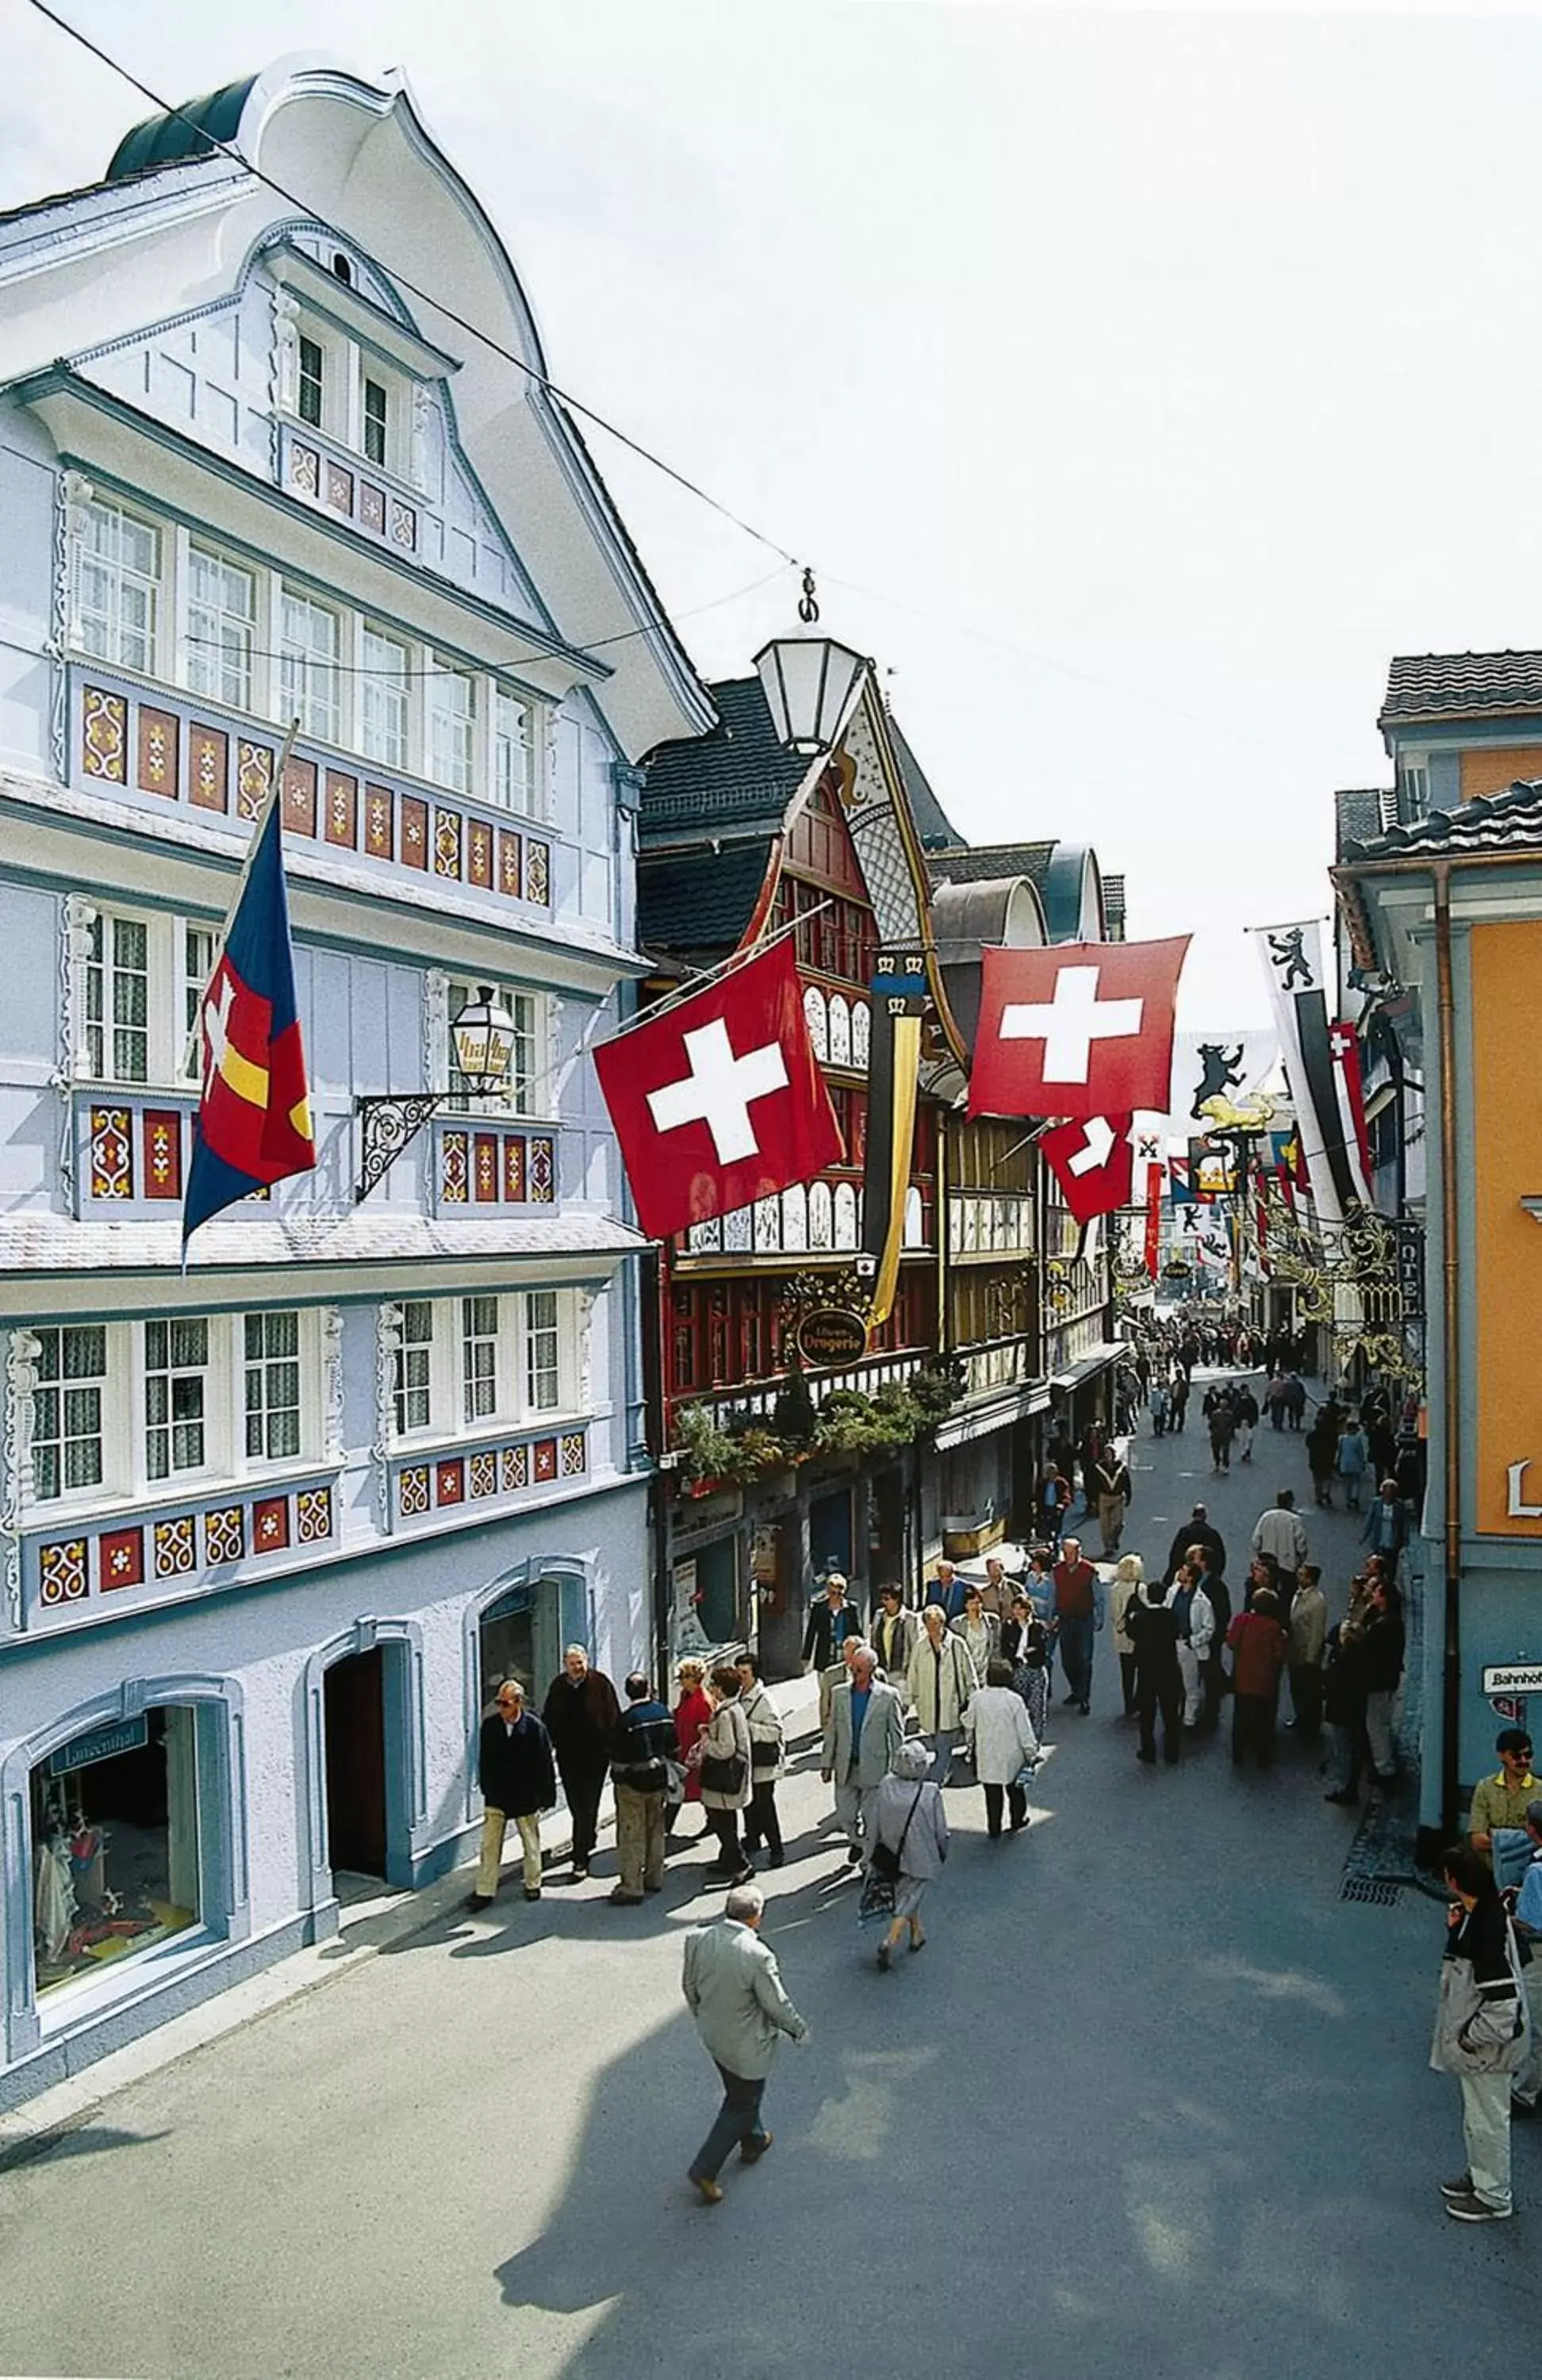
(1154, 2095)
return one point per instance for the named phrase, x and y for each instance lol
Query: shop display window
(114, 1844)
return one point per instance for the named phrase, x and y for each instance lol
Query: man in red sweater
(1259, 1647)
(1078, 1614)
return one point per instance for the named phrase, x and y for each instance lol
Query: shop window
(114, 1844)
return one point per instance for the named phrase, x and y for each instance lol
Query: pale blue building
(267, 1528)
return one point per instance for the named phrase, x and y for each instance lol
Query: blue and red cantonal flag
(253, 1123)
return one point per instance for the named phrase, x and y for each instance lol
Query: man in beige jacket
(732, 1987)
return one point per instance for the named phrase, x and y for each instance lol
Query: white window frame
(385, 683)
(205, 647)
(528, 1095)
(514, 1350)
(108, 642)
(125, 1419)
(525, 799)
(69, 1498)
(323, 718)
(450, 734)
(173, 958)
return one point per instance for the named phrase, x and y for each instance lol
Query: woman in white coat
(724, 1757)
(1001, 1738)
(1195, 1615)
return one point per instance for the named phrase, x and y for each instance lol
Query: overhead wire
(950, 624)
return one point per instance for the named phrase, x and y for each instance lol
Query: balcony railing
(162, 745)
(759, 1402)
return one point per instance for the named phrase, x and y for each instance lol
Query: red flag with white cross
(1093, 1160)
(1079, 1029)
(719, 1101)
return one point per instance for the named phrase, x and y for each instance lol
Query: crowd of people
(954, 1684)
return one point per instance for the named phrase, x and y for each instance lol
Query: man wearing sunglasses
(1502, 1800)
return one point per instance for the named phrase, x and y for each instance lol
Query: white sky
(1162, 374)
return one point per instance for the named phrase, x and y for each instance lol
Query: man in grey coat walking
(732, 1987)
(864, 1731)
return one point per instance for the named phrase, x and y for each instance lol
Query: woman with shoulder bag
(722, 1758)
(766, 1745)
(908, 1845)
(1482, 2032)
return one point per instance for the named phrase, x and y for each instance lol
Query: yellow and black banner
(899, 999)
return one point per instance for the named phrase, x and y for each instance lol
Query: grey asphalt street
(1153, 2099)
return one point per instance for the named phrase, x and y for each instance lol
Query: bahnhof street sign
(1513, 1677)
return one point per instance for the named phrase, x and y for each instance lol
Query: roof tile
(1460, 685)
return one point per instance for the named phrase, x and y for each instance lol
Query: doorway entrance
(355, 1714)
(520, 1636)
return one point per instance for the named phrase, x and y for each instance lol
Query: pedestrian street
(1155, 2098)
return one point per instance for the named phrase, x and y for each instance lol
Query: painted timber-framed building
(268, 1527)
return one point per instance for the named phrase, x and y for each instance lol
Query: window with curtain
(222, 618)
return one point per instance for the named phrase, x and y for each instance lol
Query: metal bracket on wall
(389, 1122)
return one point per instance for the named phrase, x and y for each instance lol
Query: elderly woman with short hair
(693, 1714)
(909, 1820)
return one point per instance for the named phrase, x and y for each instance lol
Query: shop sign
(105, 1744)
(1512, 1678)
(833, 1334)
(1410, 1267)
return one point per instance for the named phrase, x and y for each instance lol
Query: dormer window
(311, 381)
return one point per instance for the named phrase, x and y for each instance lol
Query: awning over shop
(991, 1414)
(1098, 1361)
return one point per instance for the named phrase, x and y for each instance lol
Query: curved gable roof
(192, 131)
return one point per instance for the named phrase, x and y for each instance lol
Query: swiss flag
(1093, 1160)
(721, 1100)
(1081, 1030)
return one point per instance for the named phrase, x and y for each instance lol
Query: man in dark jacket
(645, 1744)
(515, 1772)
(581, 1713)
(1196, 1531)
(831, 1620)
(1152, 1628)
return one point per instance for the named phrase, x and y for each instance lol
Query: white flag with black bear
(1330, 1144)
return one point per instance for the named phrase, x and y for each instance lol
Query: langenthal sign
(833, 1334)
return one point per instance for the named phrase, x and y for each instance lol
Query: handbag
(722, 1775)
(884, 1864)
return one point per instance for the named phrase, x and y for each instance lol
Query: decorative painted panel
(513, 1169)
(538, 873)
(305, 469)
(224, 1537)
(412, 1490)
(342, 808)
(482, 1472)
(270, 1524)
(449, 1481)
(510, 877)
(486, 1171)
(544, 1453)
(479, 852)
(105, 736)
(120, 1558)
(404, 525)
(339, 488)
(574, 1453)
(446, 843)
(379, 829)
(415, 831)
(372, 507)
(112, 1154)
(158, 739)
(208, 763)
(515, 1468)
(254, 772)
(454, 1159)
(62, 1572)
(300, 796)
(542, 1170)
(313, 1514)
(176, 1553)
(160, 1138)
